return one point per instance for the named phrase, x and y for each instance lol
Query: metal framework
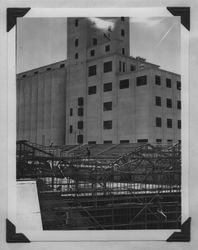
(140, 189)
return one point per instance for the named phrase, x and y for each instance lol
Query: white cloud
(103, 24)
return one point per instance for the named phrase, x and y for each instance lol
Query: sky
(42, 41)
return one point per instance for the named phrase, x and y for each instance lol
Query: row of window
(169, 123)
(158, 102)
(107, 49)
(168, 82)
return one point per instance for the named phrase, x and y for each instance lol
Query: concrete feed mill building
(100, 94)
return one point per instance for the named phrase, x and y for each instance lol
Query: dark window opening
(36, 72)
(124, 141)
(141, 80)
(107, 142)
(120, 66)
(107, 106)
(158, 101)
(142, 140)
(122, 32)
(76, 22)
(157, 80)
(107, 87)
(107, 67)
(132, 67)
(123, 66)
(124, 84)
(62, 65)
(169, 103)
(91, 142)
(92, 90)
(158, 122)
(169, 123)
(179, 124)
(48, 69)
(80, 124)
(158, 140)
(92, 70)
(107, 48)
(107, 124)
(168, 83)
(178, 104)
(123, 51)
(76, 42)
(80, 139)
(76, 56)
(24, 76)
(122, 19)
(94, 41)
(80, 101)
(92, 52)
(80, 111)
(71, 112)
(70, 129)
(169, 141)
(178, 85)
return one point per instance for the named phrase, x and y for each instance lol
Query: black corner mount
(12, 14)
(12, 236)
(184, 12)
(184, 235)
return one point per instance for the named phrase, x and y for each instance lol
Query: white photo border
(107, 235)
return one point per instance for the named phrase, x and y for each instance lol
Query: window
(92, 70)
(158, 140)
(132, 67)
(168, 83)
(62, 65)
(107, 124)
(124, 141)
(178, 85)
(142, 140)
(70, 129)
(122, 19)
(169, 141)
(76, 55)
(94, 41)
(80, 139)
(107, 48)
(123, 66)
(48, 69)
(24, 76)
(36, 72)
(120, 66)
(107, 106)
(179, 124)
(71, 112)
(107, 142)
(76, 22)
(107, 87)
(80, 101)
(80, 124)
(169, 123)
(157, 80)
(92, 52)
(158, 101)
(124, 84)
(178, 104)
(123, 51)
(107, 66)
(92, 90)
(80, 112)
(141, 80)
(168, 103)
(76, 42)
(122, 32)
(158, 122)
(91, 142)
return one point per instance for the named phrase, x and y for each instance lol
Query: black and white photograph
(99, 121)
(98, 133)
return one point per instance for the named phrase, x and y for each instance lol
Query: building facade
(104, 96)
